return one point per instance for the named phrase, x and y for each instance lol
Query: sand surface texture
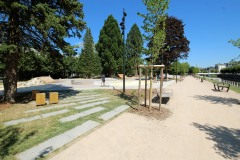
(204, 124)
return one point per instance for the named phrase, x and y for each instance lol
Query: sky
(209, 25)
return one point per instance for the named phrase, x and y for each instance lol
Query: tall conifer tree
(134, 46)
(110, 47)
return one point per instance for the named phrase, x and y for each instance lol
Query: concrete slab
(114, 112)
(91, 104)
(50, 107)
(28, 119)
(93, 100)
(56, 142)
(81, 114)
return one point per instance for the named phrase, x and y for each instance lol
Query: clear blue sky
(209, 25)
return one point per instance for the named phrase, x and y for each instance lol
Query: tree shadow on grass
(132, 99)
(218, 100)
(9, 138)
(227, 140)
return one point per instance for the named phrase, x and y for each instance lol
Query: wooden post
(150, 89)
(161, 87)
(145, 99)
(139, 86)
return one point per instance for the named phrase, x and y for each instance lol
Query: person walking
(103, 80)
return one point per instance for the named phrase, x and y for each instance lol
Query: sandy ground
(204, 125)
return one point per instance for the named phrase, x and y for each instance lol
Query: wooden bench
(218, 86)
(166, 93)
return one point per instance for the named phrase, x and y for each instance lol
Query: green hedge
(232, 69)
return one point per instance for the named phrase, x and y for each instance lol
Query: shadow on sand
(227, 140)
(218, 100)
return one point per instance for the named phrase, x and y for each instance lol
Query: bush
(231, 69)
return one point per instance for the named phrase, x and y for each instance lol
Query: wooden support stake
(145, 99)
(161, 87)
(139, 86)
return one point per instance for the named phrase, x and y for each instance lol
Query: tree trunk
(10, 76)
(136, 70)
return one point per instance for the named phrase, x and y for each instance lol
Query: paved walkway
(204, 125)
(65, 84)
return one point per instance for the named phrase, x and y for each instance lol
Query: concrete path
(56, 142)
(114, 112)
(204, 125)
(91, 104)
(65, 84)
(50, 107)
(81, 114)
(28, 119)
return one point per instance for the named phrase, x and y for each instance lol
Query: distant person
(103, 80)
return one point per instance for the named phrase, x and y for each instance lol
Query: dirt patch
(153, 114)
(132, 100)
(4, 106)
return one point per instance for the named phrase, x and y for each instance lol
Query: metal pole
(122, 24)
(123, 61)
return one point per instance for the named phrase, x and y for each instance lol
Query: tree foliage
(110, 47)
(231, 69)
(193, 70)
(154, 26)
(41, 25)
(134, 46)
(176, 44)
(235, 43)
(89, 61)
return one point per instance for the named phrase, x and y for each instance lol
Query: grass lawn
(17, 138)
(233, 88)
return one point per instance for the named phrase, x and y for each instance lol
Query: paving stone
(50, 107)
(114, 112)
(92, 100)
(91, 104)
(81, 114)
(82, 97)
(56, 142)
(28, 119)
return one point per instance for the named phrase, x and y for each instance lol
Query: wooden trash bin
(34, 94)
(40, 99)
(53, 97)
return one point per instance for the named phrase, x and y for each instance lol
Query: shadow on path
(218, 100)
(227, 140)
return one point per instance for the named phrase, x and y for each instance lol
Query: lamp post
(122, 24)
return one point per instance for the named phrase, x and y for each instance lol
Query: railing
(232, 83)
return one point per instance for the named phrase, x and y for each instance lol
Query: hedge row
(232, 69)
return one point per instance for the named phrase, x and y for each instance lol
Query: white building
(219, 66)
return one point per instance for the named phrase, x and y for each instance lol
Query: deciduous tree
(155, 34)
(176, 43)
